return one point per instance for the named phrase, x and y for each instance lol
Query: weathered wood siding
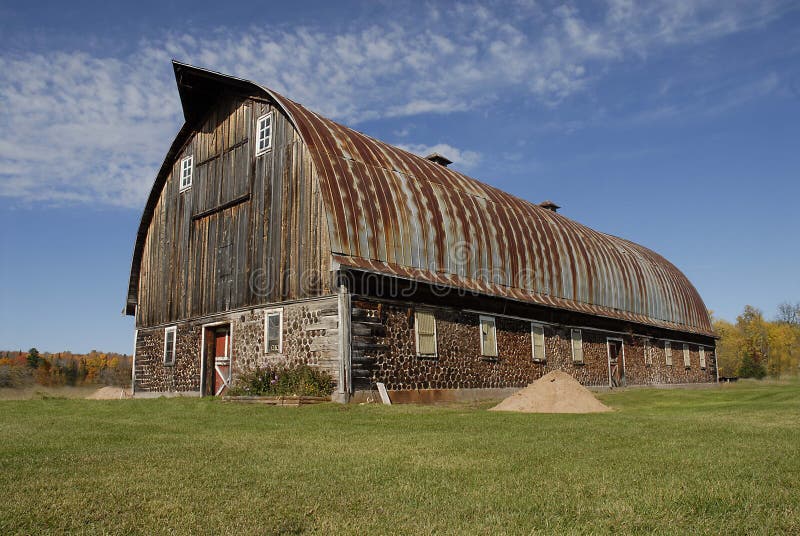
(250, 230)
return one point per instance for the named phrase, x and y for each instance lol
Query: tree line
(18, 368)
(754, 347)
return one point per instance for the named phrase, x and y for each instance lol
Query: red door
(218, 360)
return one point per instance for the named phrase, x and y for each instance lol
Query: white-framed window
(537, 342)
(648, 353)
(687, 362)
(488, 336)
(577, 346)
(264, 134)
(668, 353)
(187, 167)
(425, 328)
(702, 352)
(273, 331)
(170, 335)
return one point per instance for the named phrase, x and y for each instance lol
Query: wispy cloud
(462, 158)
(77, 128)
(748, 91)
(708, 101)
(80, 127)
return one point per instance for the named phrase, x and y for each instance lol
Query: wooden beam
(232, 203)
(345, 363)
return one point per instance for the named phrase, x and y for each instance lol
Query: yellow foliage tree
(773, 345)
(729, 347)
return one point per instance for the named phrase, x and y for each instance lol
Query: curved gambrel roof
(395, 213)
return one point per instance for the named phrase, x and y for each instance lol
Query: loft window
(687, 362)
(169, 345)
(537, 340)
(264, 134)
(273, 331)
(668, 353)
(577, 346)
(702, 352)
(648, 353)
(187, 166)
(488, 336)
(425, 327)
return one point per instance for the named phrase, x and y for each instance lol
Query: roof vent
(549, 205)
(439, 159)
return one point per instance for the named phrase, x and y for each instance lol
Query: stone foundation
(153, 375)
(383, 349)
(310, 336)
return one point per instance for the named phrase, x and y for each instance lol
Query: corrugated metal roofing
(395, 213)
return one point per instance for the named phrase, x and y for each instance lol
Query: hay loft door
(616, 362)
(217, 359)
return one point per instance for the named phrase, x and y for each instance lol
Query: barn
(273, 234)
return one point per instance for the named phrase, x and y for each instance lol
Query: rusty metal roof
(396, 213)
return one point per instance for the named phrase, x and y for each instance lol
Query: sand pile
(556, 392)
(110, 393)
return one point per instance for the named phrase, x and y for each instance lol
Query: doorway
(616, 362)
(217, 359)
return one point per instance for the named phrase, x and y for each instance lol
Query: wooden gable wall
(251, 229)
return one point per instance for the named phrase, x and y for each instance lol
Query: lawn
(722, 460)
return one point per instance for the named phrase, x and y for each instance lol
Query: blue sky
(674, 124)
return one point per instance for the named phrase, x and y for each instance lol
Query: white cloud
(459, 157)
(79, 127)
(403, 132)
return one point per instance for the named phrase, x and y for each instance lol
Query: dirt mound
(109, 393)
(555, 392)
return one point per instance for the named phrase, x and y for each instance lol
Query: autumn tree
(729, 346)
(784, 345)
(755, 342)
(784, 340)
(755, 347)
(43, 372)
(71, 372)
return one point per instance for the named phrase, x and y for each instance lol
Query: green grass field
(723, 460)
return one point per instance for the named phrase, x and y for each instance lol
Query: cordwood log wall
(310, 336)
(384, 350)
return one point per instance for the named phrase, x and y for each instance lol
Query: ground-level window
(702, 358)
(488, 336)
(668, 352)
(425, 328)
(577, 346)
(537, 338)
(187, 165)
(686, 360)
(273, 331)
(648, 353)
(169, 345)
(264, 133)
